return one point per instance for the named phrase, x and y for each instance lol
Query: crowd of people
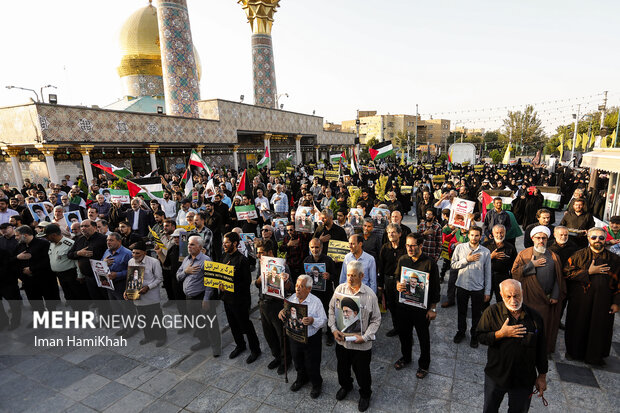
(518, 297)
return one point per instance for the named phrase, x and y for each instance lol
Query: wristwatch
(434, 310)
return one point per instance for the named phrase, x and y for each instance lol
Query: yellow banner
(405, 189)
(439, 178)
(478, 167)
(289, 169)
(275, 173)
(502, 171)
(332, 175)
(336, 250)
(216, 274)
(319, 172)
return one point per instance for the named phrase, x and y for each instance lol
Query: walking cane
(285, 367)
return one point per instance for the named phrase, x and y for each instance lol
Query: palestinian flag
(381, 150)
(133, 189)
(265, 161)
(489, 195)
(335, 158)
(196, 160)
(150, 187)
(241, 185)
(552, 195)
(289, 156)
(188, 180)
(112, 170)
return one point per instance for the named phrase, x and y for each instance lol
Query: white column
(88, 169)
(236, 158)
(316, 148)
(13, 153)
(298, 148)
(153, 159)
(48, 151)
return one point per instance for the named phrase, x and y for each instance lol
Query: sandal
(421, 373)
(400, 364)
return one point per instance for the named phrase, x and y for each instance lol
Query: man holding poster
(413, 316)
(460, 213)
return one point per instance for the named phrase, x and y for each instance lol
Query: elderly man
(496, 216)
(397, 218)
(280, 201)
(138, 218)
(540, 272)
(102, 207)
(473, 262)
(517, 356)
(307, 357)
(190, 274)
(147, 303)
(90, 245)
(183, 211)
(367, 261)
(356, 354)
(329, 230)
(594, 298)
(503, 255)
(409, 316)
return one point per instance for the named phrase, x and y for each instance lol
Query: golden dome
(139, 43)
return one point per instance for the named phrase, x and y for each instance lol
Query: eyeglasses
(600, 237)
(265, 230)
(411, 246)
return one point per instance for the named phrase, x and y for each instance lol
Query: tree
(525, 126)
(496, 156)
(365, 155)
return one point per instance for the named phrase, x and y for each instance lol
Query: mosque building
(161, 116)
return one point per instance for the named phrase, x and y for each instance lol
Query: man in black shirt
(329, 230)
(503, 255)
(578, 223)
(410, 316)
(237, 303)
(391, 251)
(90, 245)
(9, 287)
(517, 356)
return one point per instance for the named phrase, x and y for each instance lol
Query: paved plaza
(174, 379)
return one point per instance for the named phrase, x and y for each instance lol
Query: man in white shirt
(5, 211)
(261, 202)
(307, 357)
(168, 205)
(280, 200)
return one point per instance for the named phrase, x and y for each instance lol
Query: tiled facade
(263, 71)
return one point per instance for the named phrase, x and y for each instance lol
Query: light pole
(576, 117)
(415, 135)
(45, 87)
(278, 99)
(23, 88)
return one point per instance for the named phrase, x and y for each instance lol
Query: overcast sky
(336, 56)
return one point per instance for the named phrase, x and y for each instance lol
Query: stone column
(181, 88)
(48, 151)
(316, 148)
(260, 16)
(152, 151)
(236, 157)
(85, 150)
(298, 148)
(268, 147)
(13, 152)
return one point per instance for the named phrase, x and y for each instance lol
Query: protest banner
(293, 326)
(416, 293)
(460, 213)
(216, 274)
(336, 250)
(246, 212)
(102, 274)
(271, 270)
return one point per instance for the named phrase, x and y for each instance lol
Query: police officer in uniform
(65, 268)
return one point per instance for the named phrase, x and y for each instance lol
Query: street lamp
(278, 99)
(45, 87)
(23, 88)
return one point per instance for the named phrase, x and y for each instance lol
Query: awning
(605, 160)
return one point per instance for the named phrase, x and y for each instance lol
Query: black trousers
(210, 333)
(167, 282)
(391, 299)
(76, 293)
(477, 303)
(410, 317)
(451, 293)
(39, 288)
(10, 292)
(239, 321)
(150, 312)
(273, 328)
(97, 294)
(518, 398)
(360, 362)
(307, 359)
(177, 294)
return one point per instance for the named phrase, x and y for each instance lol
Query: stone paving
(174, 379)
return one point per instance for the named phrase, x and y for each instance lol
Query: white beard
(511, 308)
(499, 240)
(540, 250)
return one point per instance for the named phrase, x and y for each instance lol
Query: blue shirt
(121, 260)
(282, 204)
(193, 284)
(370, 269)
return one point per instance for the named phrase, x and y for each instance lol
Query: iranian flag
(111, 169)
(552, 195)
(381, 150)
(241, 185)
(197, 161)
(265, 161)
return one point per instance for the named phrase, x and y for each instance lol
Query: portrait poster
(356, 217)
(315, 271)
(72, 217)
(295, 329)
(336, 250)
(460, 213)
(347, 314)
(183, 241)
(246, 212)
(271, 270)
(135, 280)
(216, 274)
(39, 212)
(279, 224)
(304, 219)
(102, 274)
(248, 241)
(380, 217)
(417, 288)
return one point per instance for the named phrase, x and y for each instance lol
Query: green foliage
(282, 165)
(119, 184)
(496, 156)
(443, 157)
(380, 187)
(333, 205)
(525, 125)
(353, 197)
(250, 174)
